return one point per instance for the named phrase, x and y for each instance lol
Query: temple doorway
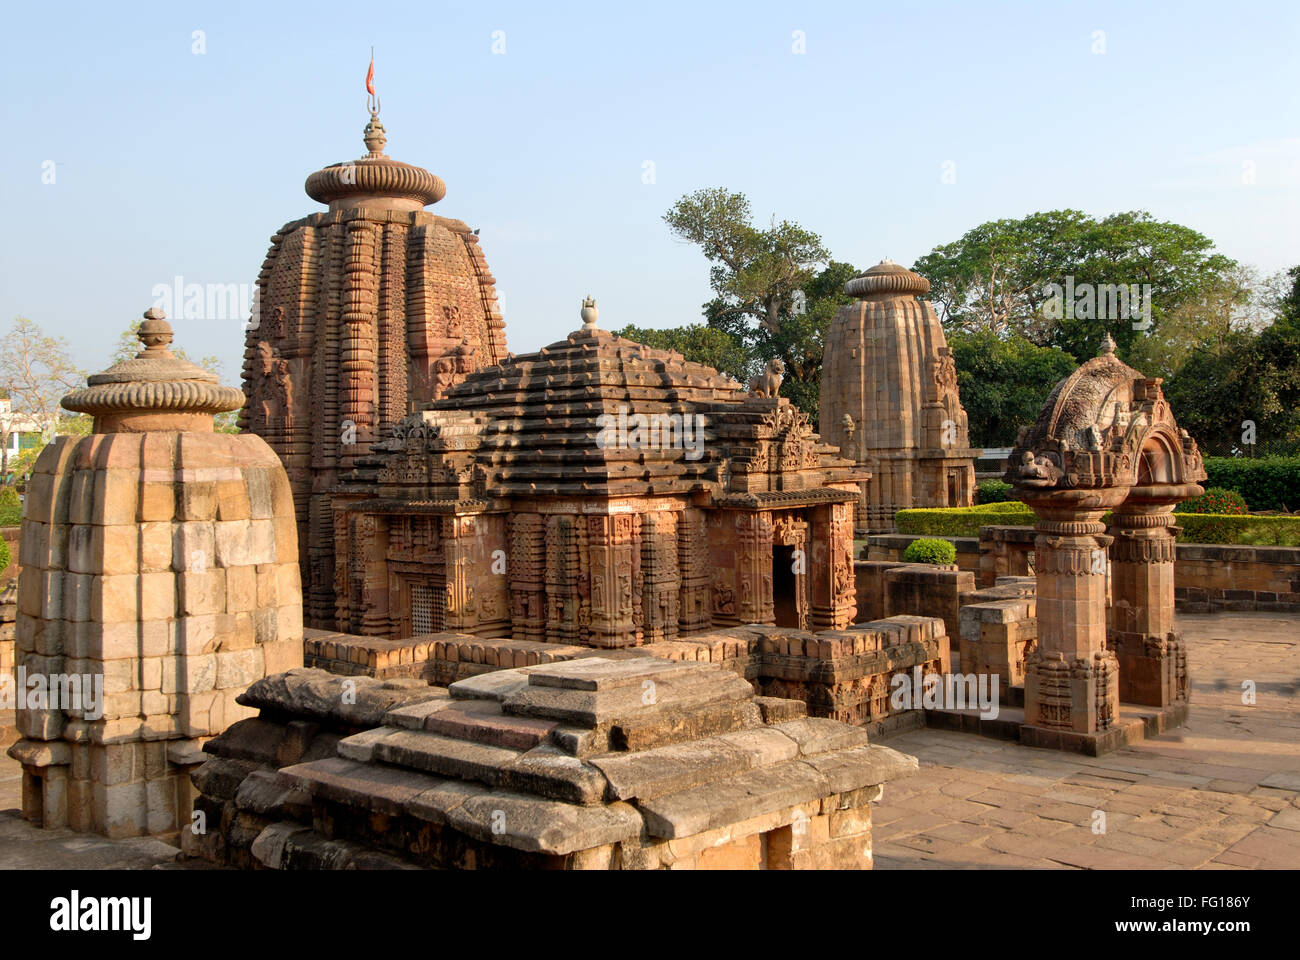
(785, 587)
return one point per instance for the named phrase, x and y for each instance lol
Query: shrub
(930, 550)
(992, 491)
(1267, 483)
(1235, 528)
(11, 508)
(1282, 531)
(1215, 500)
(963, 521)
(4, 554)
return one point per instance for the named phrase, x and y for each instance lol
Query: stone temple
(889, 398)
(366, 311)
(597, 492)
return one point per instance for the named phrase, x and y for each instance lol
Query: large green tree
(756, 273)
(999, 276)
(775, 288)
(1245, 385)
(1003, 382)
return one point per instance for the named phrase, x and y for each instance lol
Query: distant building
(18, 431)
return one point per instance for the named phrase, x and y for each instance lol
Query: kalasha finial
(374, 136)
(589, 313)
(1107, 346)
(155, 333)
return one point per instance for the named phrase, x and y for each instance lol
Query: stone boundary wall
(1208, 576)
(840, 674)
(438, 658)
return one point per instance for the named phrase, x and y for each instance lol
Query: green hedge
(963, 521)
(1232, 528)
(930, 550)
(4, 555)
(1267, 483)
(1196, 527)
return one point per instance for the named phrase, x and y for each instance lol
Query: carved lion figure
(767, 383)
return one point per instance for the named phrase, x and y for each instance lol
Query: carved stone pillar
(527, 570)
(1071, 679)
(695, 611)
(659, 570)
(562, 570)
(1152, 660)
(614, 550)
(754, 568)
(375, 620)
(834, 593)
(462, 600)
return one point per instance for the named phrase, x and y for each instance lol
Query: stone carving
(1104, 441)
(624, 558)
(768, 383)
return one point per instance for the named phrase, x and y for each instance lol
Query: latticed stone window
(428, 608)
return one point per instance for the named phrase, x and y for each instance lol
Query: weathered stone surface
(359, 701)
(748, 795)
(852, 769)
(544, 826)
(818, 735)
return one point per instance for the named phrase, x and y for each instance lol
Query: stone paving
(1221, 793)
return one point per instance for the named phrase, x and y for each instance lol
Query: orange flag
(370, 77)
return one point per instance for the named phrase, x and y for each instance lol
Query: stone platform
(592, 764)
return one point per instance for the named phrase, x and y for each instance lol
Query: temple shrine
(366, 311)
(597, 492)
(889, 398)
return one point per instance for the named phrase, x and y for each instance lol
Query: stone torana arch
(1105, 440)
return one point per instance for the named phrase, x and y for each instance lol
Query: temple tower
(889, 398)
(365, 312)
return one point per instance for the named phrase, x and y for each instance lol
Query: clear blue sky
(173, 163)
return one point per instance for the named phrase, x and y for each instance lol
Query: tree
(698, 343)
(1236, 300)
(36, 372)
(1004, 382)
(755, 273)
(1241, 393)
(999, 276)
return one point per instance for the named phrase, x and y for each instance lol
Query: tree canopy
(999, 276)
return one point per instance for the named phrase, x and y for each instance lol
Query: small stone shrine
(889, 399)
(160, 579)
